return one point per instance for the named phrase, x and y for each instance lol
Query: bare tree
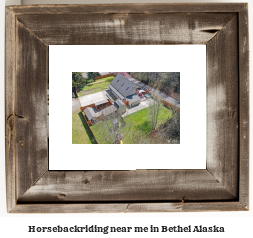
(156, 102)
(114, 128)
(170, 130)
(155, 106)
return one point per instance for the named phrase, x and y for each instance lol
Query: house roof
(123, 85)
(101, 102)
(109, 110)
(133, 98)
(119, 103)
(89, 112)
(116, 92)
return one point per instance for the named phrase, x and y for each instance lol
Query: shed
(120, 105)
(133, 100)
(90, 114)
(109, 110)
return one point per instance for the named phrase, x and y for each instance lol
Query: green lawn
(95, 87)
(137, 125)
(81, 133)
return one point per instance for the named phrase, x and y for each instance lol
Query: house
(124, 90)
(120, 105)
(122, 87)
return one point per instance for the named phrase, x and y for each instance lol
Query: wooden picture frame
(222, 186)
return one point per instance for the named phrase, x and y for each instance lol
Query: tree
(155, 106)
(78, 82)
(169, 81)
(156, 102)
(114, 128)
(92, 75)
(170, 130)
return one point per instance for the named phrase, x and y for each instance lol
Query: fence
(166, 103)
(171, 105)
(91, 105)
(103, 76)
(89, 126)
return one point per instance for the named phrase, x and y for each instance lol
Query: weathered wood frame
(222, 186)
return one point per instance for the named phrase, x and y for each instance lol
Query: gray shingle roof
(123, 85)
(109, 110)
(116, 92)
(89, 112)
(133, 98)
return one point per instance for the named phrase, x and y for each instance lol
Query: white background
(189, 60)
(237, 224)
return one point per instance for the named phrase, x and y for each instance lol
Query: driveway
(157, 93)
(142, 105)
(75, 105)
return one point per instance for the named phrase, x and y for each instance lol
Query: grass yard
(138, 125)
(97, 86)
(81, 133)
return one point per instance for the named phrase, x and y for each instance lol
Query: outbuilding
(102, 104)
(120, 105)
(90, 114)
(109, 111)
(133, 100)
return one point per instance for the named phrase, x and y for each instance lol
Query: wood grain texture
(118, 29)
(222, 107)
(129, 207)
(30, 109)
(10, 64)
(129, 8)
(140, 185)
(244, 106)
(223, 186)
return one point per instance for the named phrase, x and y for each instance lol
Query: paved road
(75, 105)
(165, 97)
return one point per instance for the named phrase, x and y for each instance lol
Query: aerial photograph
(125, 107)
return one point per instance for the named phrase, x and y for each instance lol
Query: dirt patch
(89, 91)
(98, 81)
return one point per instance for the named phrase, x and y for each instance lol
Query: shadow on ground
(146, 127)
(87, 129)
